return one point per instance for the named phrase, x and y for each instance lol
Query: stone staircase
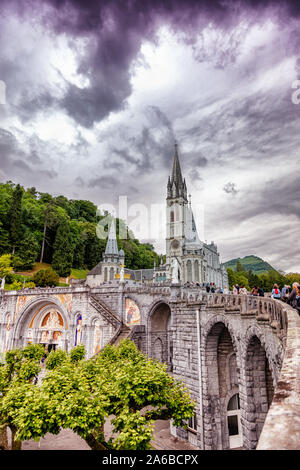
(123, 333)
(109, 316)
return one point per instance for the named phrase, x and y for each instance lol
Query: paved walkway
(68, 440)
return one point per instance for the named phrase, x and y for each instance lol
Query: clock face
(175, 244)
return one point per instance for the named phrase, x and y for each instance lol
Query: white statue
(174, 271)
(3, 283)
(53, 320)
(122, 273)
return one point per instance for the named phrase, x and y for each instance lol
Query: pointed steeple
(176, 185)
(176, 173)
(191, 235)
(112, 244)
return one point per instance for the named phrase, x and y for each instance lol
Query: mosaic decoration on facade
(78, 333)
(132, 312)
(97, 337)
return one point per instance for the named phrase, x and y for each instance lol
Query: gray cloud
(246, 125)
(230, 188)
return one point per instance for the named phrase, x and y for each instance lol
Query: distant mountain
(256, 264)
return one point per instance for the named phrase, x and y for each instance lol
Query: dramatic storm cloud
(96, 94)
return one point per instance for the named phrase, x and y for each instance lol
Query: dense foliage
(266, 280)
(38, 227)
(120, 384)
(45, 277)
(18, 373)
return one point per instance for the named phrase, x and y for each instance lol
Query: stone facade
(195, 261)
(226, 348)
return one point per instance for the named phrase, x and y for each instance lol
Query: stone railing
(265, 309)
(105, 312)
(281, 430)
(43, 290)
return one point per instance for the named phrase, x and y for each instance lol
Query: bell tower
(176, 215)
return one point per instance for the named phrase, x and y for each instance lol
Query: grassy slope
(256, 264)
(75, 273)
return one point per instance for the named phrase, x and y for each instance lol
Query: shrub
(45, 277)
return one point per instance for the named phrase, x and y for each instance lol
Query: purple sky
(97, 93)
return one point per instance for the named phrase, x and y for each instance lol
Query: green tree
(239, 267)
(17, 374)
(15, 217)
(120, 382)
(63, 253)
(231, 277)
(5, 265)
(28, 251)
(45, 277)
(4, 240)
(53, 216)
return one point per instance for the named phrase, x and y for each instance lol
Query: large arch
(43, 320)
(222, 383)
(160, 337)
(260, 388)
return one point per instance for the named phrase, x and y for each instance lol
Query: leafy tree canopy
(120, 383)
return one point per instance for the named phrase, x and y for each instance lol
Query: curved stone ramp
(281, 430)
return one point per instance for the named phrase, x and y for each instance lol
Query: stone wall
(242, 342)
(281, 430)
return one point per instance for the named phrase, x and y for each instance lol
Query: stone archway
(260, 389)
(223, 380)
(160, 334)
(43, 321)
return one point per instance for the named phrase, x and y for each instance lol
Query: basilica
(188, 259)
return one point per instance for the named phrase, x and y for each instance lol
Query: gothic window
(234, 422)
(189, 270)
(234, 403)
(196, 271)
(192, 424)
(105, 274)
(96, 337)
(172, 216)
(158, 350)
(233, 371)
(78, 331)
(111, 274)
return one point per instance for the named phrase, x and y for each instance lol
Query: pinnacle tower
(176, 184)
(112, 244)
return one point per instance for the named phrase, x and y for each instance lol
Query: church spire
(176, 185)
(112, 244)
(176, 173)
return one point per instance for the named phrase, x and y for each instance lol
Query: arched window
(189, 270)
(172, 216)
(78, 332)
(196, 267)
(234, 422)
(158, 350)
(96, 337)
(105, 274)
